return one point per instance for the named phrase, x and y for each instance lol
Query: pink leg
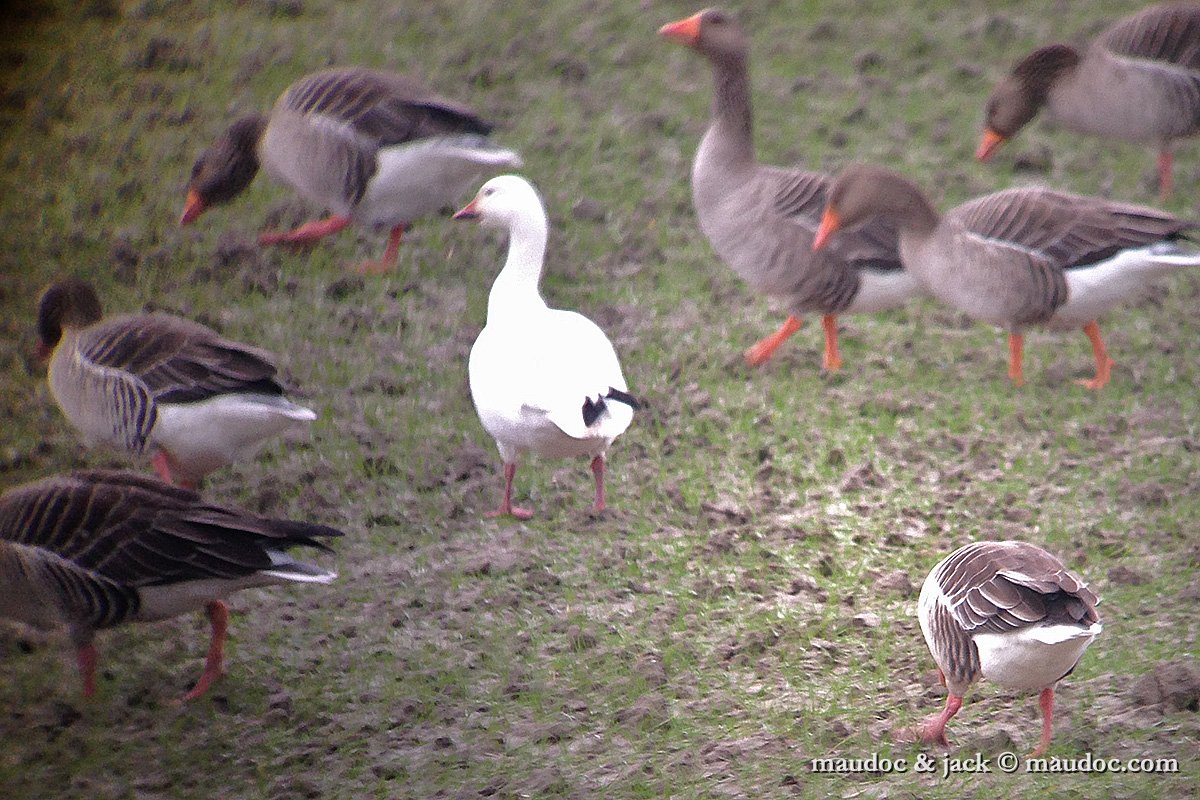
(218, 615)
(933, 730)
(162, 466)
(1166, 183)
(307, 233)
(86, 658)
(507, 509)
(598, 471)
(372, 267)
(1046, 701)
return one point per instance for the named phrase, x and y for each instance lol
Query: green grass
(700, 640)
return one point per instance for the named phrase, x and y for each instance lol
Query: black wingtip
(623, 397)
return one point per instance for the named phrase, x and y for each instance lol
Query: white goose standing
(543, 380)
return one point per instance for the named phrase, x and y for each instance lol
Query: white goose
(95, 549)
(160, 383)
(1009, 612)
(543, 380)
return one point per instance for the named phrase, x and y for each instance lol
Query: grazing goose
(761, 219)
(1009, 612)
(1020, 257)
(157, 382)
(375, 148)
(543, 380)
(95, 549)
(1138, 81)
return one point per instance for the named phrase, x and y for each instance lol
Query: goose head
(713, 32)
(226, 168)
(503, 202)
(69, 303)
(1017, 99)
(863, 191)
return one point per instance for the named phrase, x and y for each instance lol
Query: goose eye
(488, 192)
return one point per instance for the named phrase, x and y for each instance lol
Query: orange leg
(307, 233)
(390, 255)
(762, 351)
(1104, 364)
(86, 658)
(1046, 701)
(507, 509)
(162, 466)
(1016, 349)
(833, 359)
(1166, 183)
(598, 472)
(214, 665)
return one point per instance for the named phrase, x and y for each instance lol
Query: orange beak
(684, 31)
(193, 207)
(830, 223)
(469, 211)
(989, 144)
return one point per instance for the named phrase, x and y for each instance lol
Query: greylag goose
(543, 380)
(375, 148)
(1138, 81)
(1009, 612)
(160, 383)
(1019, 257)
(91, 550)
(761, 219)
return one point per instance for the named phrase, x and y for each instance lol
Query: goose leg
(833, 359)
(1166, 182)
(598, 471)
(933, 730)
(85, 657)
(1104, 364)
(762, 350)
(307, 233)
(1046, 701)
(507, 509)
(162, 466)
(218, 615)
(1016, 351)
(388, 262)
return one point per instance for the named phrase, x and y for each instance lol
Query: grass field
(748, 603)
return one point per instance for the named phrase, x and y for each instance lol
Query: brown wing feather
(385, 107)
(1168, 32)
(178, 360)
(136, 531)
(1002, 586)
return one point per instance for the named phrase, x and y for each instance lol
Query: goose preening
(761, 219)
(543, 380)
(94, 549)
(1138, 81)
(1009, 612)
(374, 148)
(161, 384)
(1020, 257)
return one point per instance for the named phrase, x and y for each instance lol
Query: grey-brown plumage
(94, 549)
(761, 219)
(1139, 81)
(370, 146)
(1020, 257)
(157, 382)
(1009, 612)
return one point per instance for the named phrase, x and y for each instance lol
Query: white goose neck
(515, 290)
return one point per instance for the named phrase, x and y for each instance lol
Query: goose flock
(92, 549)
